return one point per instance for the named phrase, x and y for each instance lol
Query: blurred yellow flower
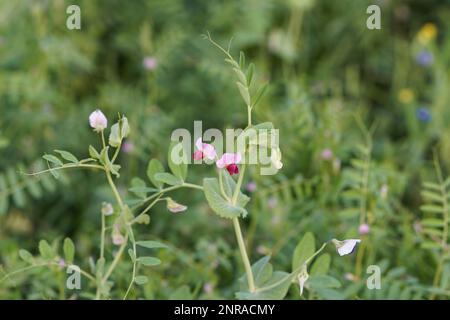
(405, 95)
(427, 33)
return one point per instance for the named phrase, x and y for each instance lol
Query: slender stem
(86, 274)
(116, 259)
(103, 140)
(162, 191)
(102, 240)
(244, 255)
(116, 153)
(67, 166)
(133, 276)
(114, 189)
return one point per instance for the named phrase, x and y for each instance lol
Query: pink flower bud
(150, 63)
(98, 121)
(251, 186)
(326, 154)
(364, 229)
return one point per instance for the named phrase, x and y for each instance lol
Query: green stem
(102, 240)
(244, 255)
(114, 189)
(67, 166)
(162, 191)
(133, 276)
(116, 260)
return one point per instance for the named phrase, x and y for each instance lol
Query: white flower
(107, 209)
(346, 246)
(98, 121)
(302, 277)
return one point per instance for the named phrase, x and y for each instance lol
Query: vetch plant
(223, 195)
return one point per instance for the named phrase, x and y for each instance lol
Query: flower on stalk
(107, 209)
(302, 277)
(98, 121)
(174, 206)
(346, 246)
(229, 161)
(117, 238)
(204, 150)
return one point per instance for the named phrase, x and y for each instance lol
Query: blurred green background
(330, 79)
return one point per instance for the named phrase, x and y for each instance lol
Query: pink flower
(150, 63)
(364, 229)
(326, 154)
(117, 238)
(251, 186)
(229, 161)
(204, 150)
(98, 121)
(128, 147)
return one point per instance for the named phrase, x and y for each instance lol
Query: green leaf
(138, 186)
(432, 223)
(432, 208)
(67, 156)
(221, 206)
(262, 271)
(432, 196)
(178, 160)
(104, 159)
(69, 250)
(93, 153)
(250, 71)
(321, 265)
(259, 94)
(132, 255)
(322, 282)
(168, 178)
(140, 280)
(53, 159)
(241, 60)
(151, 244)
(274, 289)
(149, 261)
(45, 250)
(241, 76)
(305, 249)
(154, 167)
(26, 256)
(243, 90)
